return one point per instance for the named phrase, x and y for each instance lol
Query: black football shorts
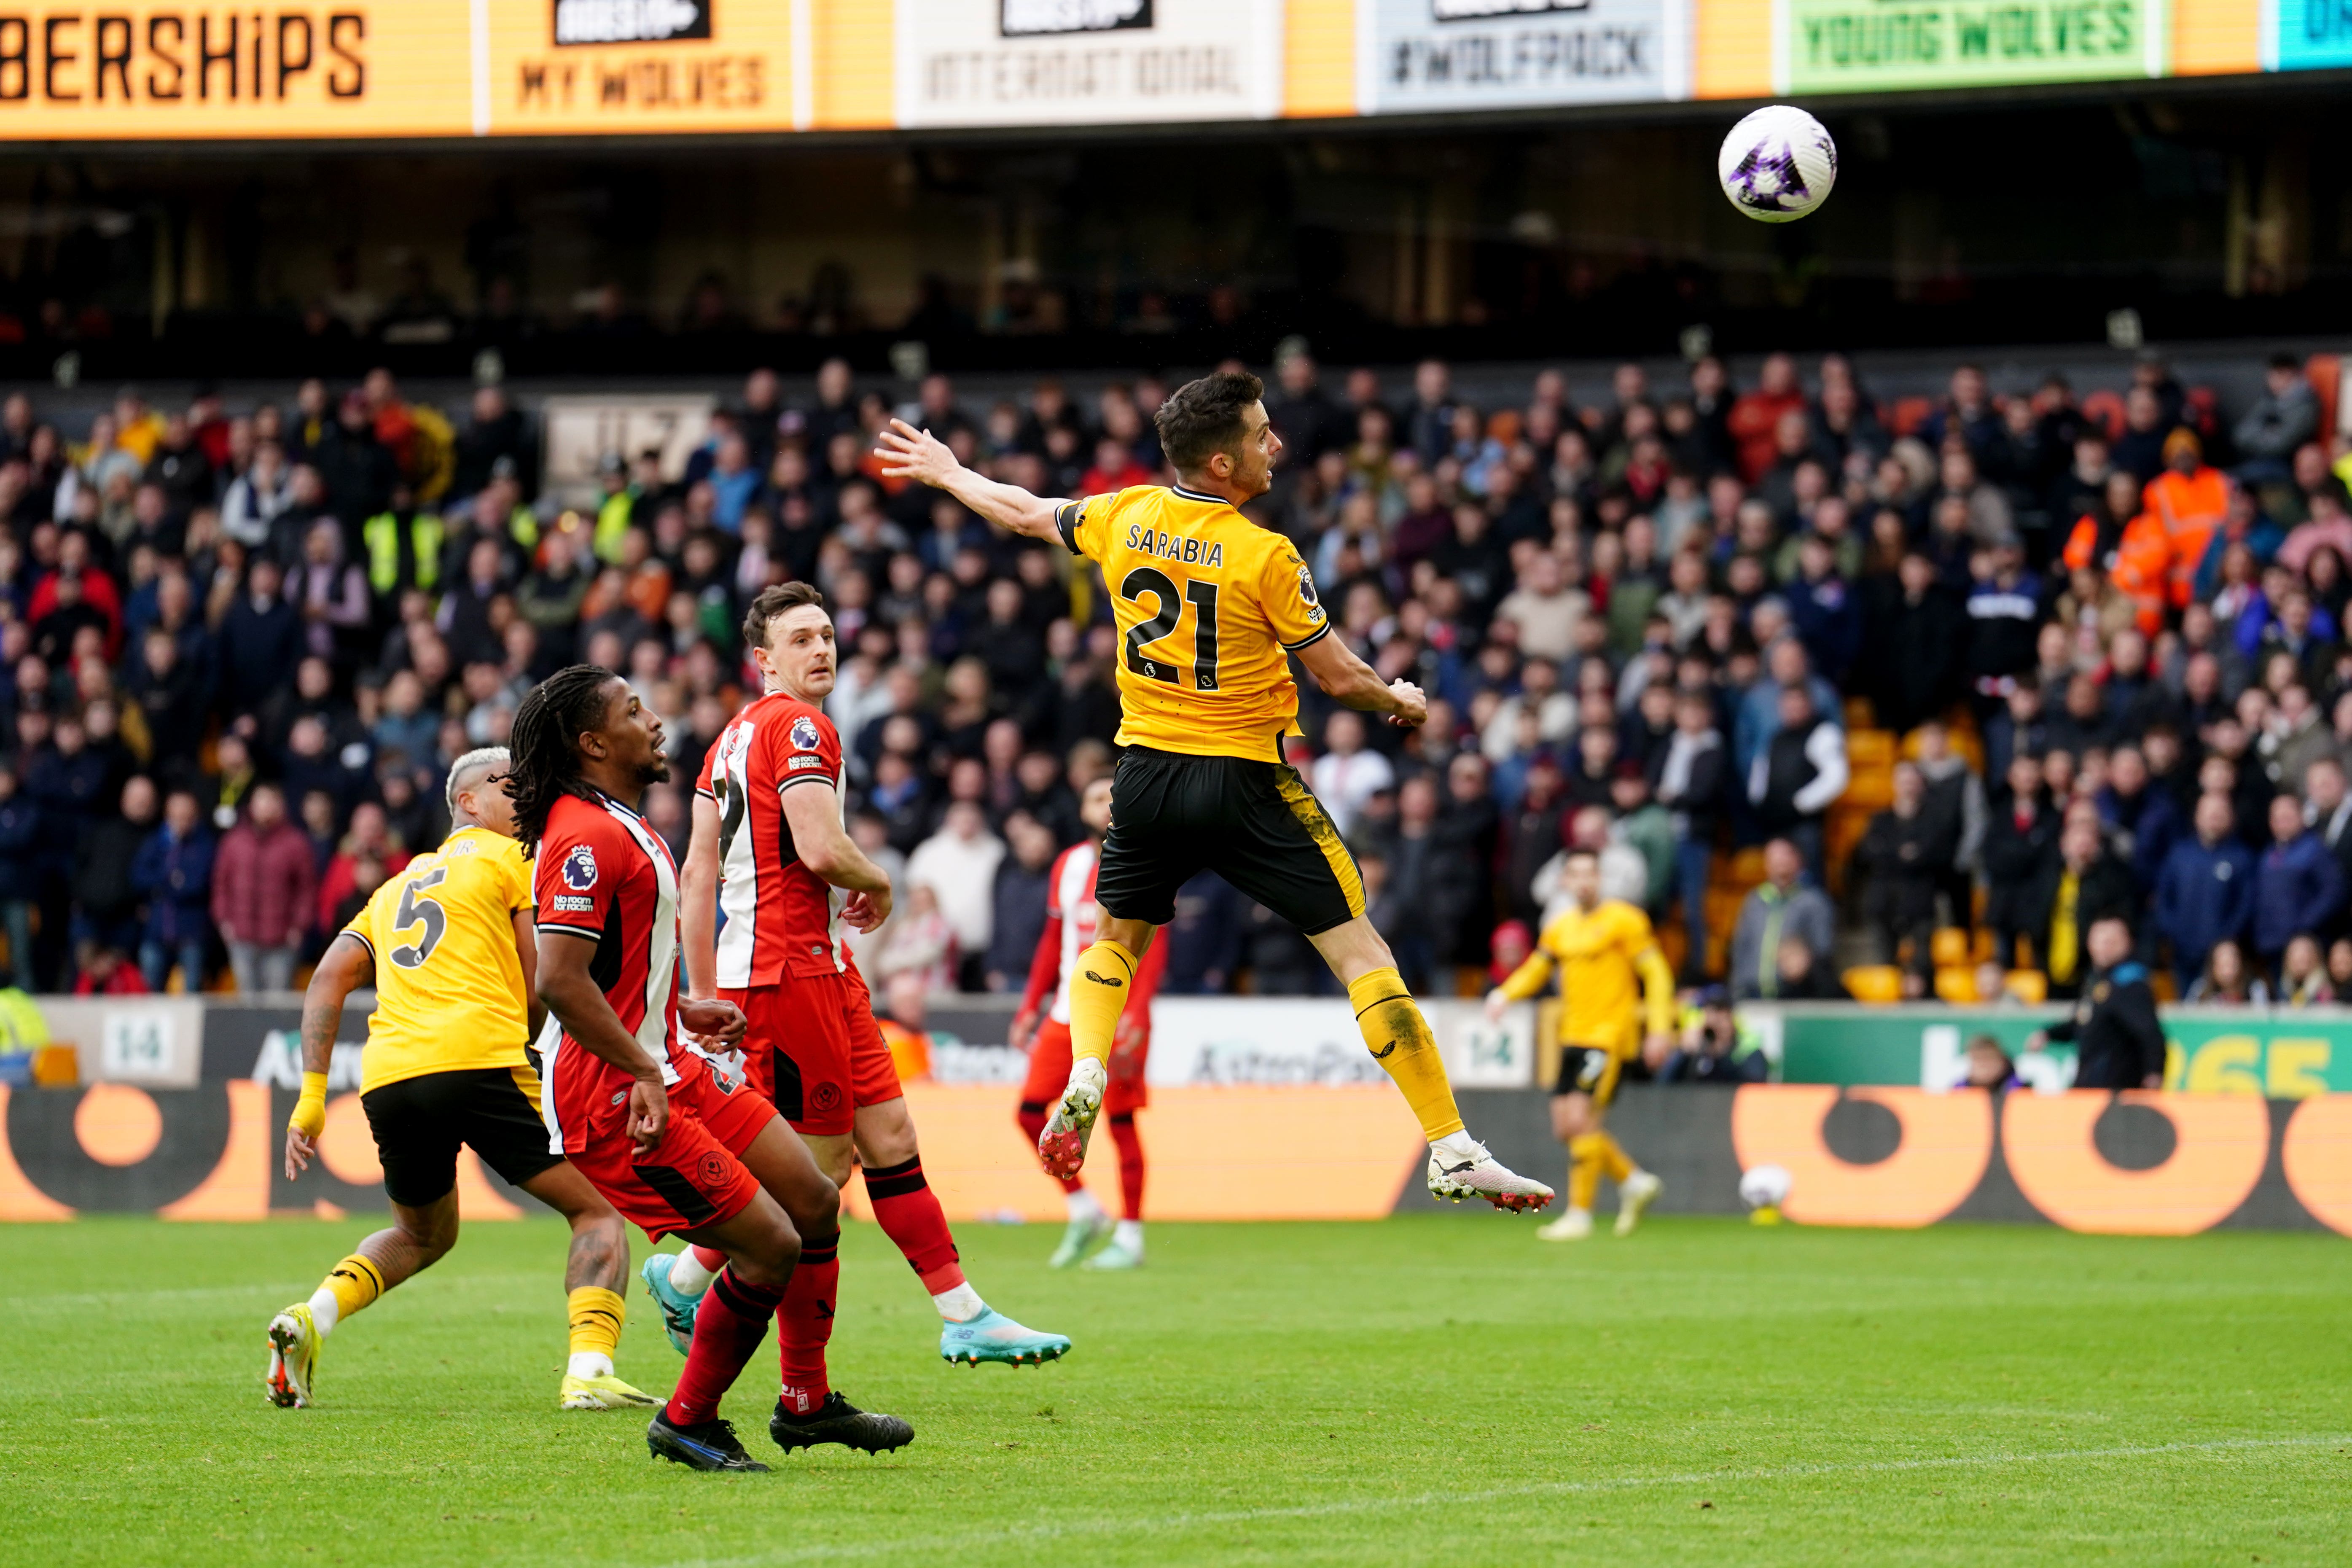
(1588, 1069)
(419, 1122)
(1255, 823)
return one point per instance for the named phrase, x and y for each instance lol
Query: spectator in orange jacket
(2191, 500)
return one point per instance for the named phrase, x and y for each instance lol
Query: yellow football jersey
(448, 983)
(1209, 607)
(1607, 959)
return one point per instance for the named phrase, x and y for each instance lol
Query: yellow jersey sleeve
(363, 925)
(1285, 591)
(520, 892)
(1084, 524)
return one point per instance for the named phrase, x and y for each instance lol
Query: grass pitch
(1433, 1389)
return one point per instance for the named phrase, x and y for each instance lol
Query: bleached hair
(467, 771)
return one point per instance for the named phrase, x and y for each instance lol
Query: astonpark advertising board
(1869, 46)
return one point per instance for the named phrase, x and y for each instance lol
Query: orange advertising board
(600, 67)
(138, 71)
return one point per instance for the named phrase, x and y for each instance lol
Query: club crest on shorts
(712, 1167)
(580, 868)
(826, 1098)
(804, 733)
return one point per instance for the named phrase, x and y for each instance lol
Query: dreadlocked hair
(545, 743)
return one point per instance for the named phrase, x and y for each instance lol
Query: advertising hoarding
(1071, 62)
(2307, 34)
(1873, 46)
(1467, 55)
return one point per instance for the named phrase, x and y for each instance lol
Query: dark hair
(1203, 417)
(545, 746)
(772, 602)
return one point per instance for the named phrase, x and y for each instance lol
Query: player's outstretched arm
(1521, 982)
(348, 965)
(1348, 680)
(907, 453)
(813, 812)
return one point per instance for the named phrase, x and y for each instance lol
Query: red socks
(728, 1326)
(1031, 1117)
(1130, 1165)
(909, 1214)
(805, 1323)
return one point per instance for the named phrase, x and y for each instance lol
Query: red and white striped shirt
(604, 875)
(782, 918)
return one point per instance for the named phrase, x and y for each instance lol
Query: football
(1777, 164)
(1764, 1187)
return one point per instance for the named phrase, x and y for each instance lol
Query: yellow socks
(597, 1315)
(350, 1285)
(1590, 1156)
(1399, 1039)
(1098, 995)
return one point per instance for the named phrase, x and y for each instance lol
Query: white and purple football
(1777, 164)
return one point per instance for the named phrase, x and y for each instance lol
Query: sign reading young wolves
(1086, 62)
(1452, 55)
(1856, 46)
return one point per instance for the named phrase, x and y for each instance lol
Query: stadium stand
(1994, 661)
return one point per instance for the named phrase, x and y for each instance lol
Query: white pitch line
(1179, 1522)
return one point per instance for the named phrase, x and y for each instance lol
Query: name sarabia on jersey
(1174, 546)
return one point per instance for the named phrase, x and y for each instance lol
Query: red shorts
(693, 1177)
(812, 1047)
(1049, 1071)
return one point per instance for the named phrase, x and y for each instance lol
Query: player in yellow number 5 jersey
(1209, 607)
(450, 945)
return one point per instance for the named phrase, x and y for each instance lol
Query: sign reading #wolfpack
(1439, 54)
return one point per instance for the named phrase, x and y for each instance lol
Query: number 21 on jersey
(1148, 585)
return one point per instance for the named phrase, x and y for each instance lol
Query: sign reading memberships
(1506, 54)
(1081, 62)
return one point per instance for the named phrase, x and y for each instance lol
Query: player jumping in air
(1071, 917)
(769, 847)
(450, 946)
(1208, 606)
(673, 1146)
(1613, 979)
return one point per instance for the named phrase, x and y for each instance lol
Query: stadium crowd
(1778, 651)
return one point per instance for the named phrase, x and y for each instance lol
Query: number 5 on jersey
(417, 909)
(1149, 581)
